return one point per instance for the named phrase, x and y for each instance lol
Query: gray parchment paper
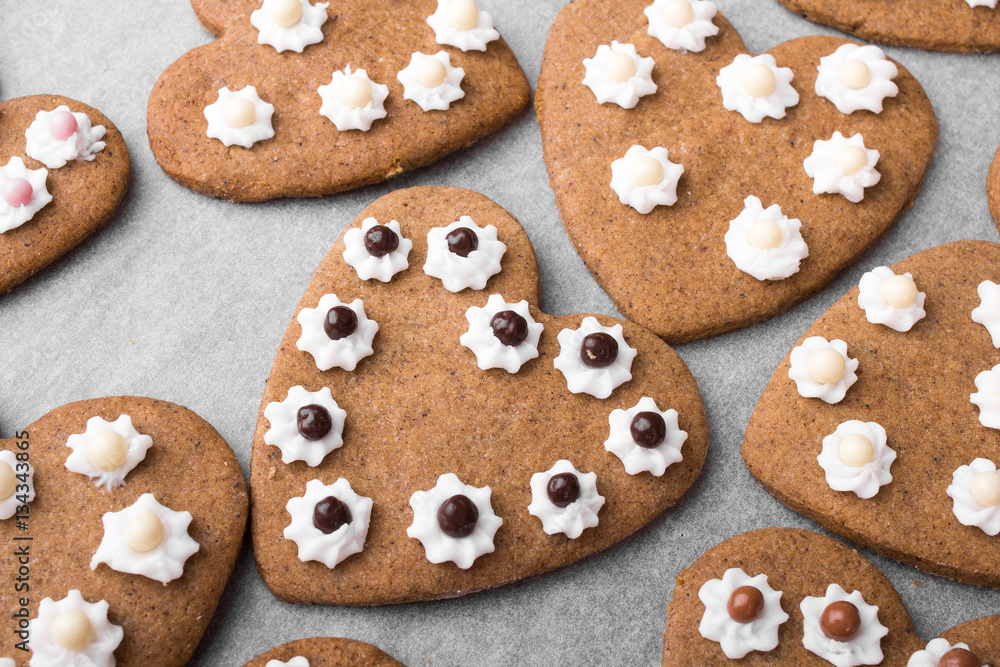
(185, 298)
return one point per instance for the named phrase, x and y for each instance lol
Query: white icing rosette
(832, 391)
(274, 21)
(135, 447)
(489, 351)
(368, 265)
(879, 287)
(637, 459)
(347, 117)
(987, 312)
(7, 662)
(460, 23)
(964, 488)
(856, 77)
(737, 639)
(19, 480)
(163, 562)
(635, 179)
(284, 431)
(439, 547)
(864, 648)
(297, 661)
(236, 134)
(456, 272)
(682, 28)
(618, 74)
(575, 517)
(421, 71)
(345, 352)
(598, 382)
(756, 87)
(835, 170)
(864, 480)
(992, 4)
(347, 540)
(18, 204)
(931, 656)
(987, 397)
(83, 144)
(48, 637)
(783, 247)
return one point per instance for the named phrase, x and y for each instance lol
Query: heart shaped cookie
(803, 567)
(365, 483)
(879, 426)
(299, 98)
(675, 269)
(324, 652)
(55, 189)
(135, 511)
(993, 188)
(940, 25)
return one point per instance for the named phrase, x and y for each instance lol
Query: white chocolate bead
(856, 450)
(106, 450)
(985, 488)
(765, 234)
(463, 14)
(620, 67)
(854, 74)
(239, 112)
(72, 630)
(678, 13)
(899, 292)
(431, 72)
(826, 366)
(8, 481)
(285, 13)
(851, 159)
(758, 80)
(144, 532)
(646, 171)
(355, 92)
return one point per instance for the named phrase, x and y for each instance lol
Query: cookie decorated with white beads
(324, 652)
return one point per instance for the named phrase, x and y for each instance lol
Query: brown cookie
(993, 188)
(939, 25)
(914, 384)
(668, 270)
(308, 156)
(187, 468)
(799, 564)
(420, 408)
(327, 652)
(85, 194)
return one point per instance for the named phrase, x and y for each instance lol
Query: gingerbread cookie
(64, 171)
(121, 512)
(940, 25)
(784, 596)
(324, 652)
(300, 98)
(481, 440)
(733, 210)
(993, 188)
(880, 425)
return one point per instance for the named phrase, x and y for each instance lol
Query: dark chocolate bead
(745, 604)
(510, 328)
(330, 514)
(462, 241)
(458, 516)
(648, 429)
(380, 241)
(960, 657)
(599, 350)
(840, 621)
(313, 421)
(340, 322)
(563, 489)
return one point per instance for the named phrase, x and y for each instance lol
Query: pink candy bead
(17, 192)
(62, 125)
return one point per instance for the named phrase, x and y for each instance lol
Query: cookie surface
(328, 652)
(940, 25)
(669, 270)
(308, 156)
(85, 194)
(801, 563)
(993, 188)
(420, 407)
(189, 467)
(916, 385)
